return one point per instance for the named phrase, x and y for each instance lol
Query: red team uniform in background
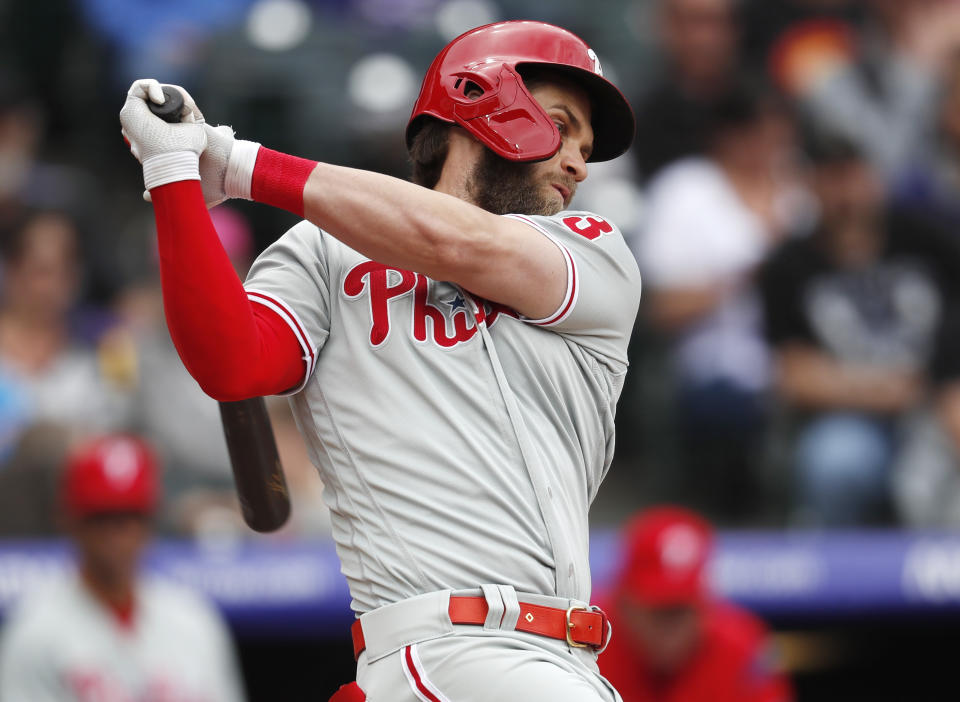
(664, 567)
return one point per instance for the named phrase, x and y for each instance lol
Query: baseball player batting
(453, 349)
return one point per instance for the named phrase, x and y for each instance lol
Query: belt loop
(511, 607)
(495, 606)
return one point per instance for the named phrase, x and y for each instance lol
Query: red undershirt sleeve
(234, 349)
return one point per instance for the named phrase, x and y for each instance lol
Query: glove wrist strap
(278, 180)
(239, 175)
(170, 167)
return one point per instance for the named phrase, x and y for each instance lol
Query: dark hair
(428, 150)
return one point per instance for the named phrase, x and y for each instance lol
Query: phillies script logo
(383, 284)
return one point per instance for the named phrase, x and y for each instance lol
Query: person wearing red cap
(673, 640)
(104, 633)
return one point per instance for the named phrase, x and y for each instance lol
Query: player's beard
(506, 187)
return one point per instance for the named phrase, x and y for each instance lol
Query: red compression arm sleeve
(233, 347)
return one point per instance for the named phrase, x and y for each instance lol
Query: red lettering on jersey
(588, 227)
(376, 276)
(423, 310)
(96, 686)
(93, 686)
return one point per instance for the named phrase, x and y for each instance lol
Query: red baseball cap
(115, 473)
(666, 552)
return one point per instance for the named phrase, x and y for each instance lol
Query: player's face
(41, 281)
(850, 194)
(546, 187)
(110, 545)
(667, 635)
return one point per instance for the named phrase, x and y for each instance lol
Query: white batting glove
(226, 166)
(168, 152)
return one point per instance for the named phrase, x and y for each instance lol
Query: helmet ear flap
(505, 117)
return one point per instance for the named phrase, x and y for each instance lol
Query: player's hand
(226, 166)
(168, 152)
(213, 163)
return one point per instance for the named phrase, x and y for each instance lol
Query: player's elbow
(226, 390)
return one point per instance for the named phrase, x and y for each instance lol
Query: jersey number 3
(588, 227)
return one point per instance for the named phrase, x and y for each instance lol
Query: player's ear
(463, 151)
(460, 135)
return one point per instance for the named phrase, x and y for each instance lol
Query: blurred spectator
(26, 181)
(672, 640)
(30, 482)
(710, 222)
(932, 183)
(105, 633)
(926, 479)
(20, 131)
(860, 318)
(42, 364)
(882, 93)
(699, 39)
(796, 34)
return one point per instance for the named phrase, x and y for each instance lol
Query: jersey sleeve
(292, 278)
(603, 282)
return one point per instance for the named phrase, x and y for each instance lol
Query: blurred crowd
(790, 198)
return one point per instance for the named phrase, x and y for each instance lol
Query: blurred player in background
(104, 634)
(674, 641)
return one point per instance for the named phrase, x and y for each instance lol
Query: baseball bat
(257, 473)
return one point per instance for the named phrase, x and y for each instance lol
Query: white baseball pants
(415, 654)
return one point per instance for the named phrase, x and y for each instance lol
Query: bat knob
(169, 111)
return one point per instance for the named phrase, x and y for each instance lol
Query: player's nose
(572, 161)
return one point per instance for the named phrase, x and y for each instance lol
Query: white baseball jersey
(459, 444)
(62, 645)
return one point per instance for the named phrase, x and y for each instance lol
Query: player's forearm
(230, 349)
(384, 218)
(397, 222)
(407, 226)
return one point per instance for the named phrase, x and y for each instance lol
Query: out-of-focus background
(793, 199)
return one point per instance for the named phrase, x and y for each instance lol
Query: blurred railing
(295, 588)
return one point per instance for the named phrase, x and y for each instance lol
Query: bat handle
(170, 110)
(258, 475)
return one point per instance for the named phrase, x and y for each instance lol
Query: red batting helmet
(667, 549)
(110, 474)
(505, 117)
